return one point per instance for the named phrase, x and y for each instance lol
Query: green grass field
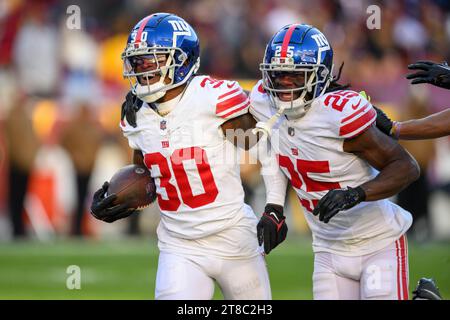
(126, 269)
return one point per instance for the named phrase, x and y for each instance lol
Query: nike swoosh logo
(434, 295)
(354, 106)
(275, 216)
(230, 85)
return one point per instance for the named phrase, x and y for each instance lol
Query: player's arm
(138, 157)
(434, 126)
(232, 104)
(397, 169)
(272, 228)
(239, 131)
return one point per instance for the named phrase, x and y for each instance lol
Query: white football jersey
(310, 153)
(196, 170)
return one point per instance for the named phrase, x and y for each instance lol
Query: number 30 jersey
(196, 170)
(310, 153)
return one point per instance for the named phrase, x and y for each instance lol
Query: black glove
(130, 106)
(384, 124)
(337, 200)
(103, 209)
(437, 74)
(272, 227)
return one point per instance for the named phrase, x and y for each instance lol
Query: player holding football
(340, 165)
(434, 126)
(206, 231)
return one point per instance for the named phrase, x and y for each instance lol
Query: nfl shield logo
(162, 125)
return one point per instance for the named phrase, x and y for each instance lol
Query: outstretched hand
(437, 74)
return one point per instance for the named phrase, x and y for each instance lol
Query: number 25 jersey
(310, 153)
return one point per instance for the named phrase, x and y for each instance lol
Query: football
(134, 185)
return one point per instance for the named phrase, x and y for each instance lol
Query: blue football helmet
(301, 50)
(169, 43)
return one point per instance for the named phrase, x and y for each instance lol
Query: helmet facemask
(314, 78)
(165, 59)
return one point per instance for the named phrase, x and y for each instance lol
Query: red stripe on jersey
(356, 113)
(261, 89)
(406, 265)
(404, 271)
(234, 111)
(358, 123)
(218, 84)
(229, 93)
(230, 103)
(339, 92)
(287, 39)
(141, 28)
(307, 205)
(399, 297)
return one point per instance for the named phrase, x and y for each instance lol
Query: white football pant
(192, 277)
(381, 275)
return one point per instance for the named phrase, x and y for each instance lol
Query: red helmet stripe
(287, 39)
(141, 28)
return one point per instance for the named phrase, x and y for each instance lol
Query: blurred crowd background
(61, 90)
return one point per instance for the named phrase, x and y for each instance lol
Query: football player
(206, 231)
(434, 126)
(341, 166)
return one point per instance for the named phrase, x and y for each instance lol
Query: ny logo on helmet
(180, 28)
(321, 41)
(179, 25)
